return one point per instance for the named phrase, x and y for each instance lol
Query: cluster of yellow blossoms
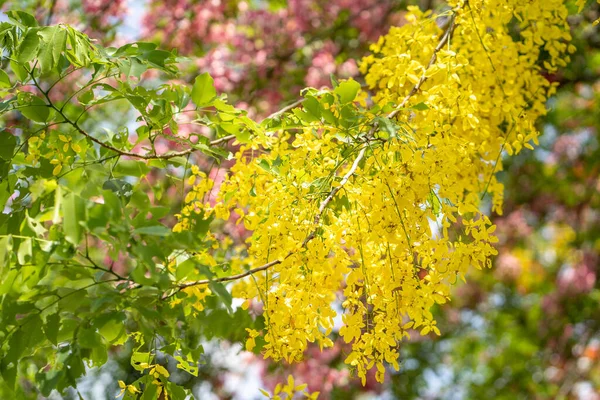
(385, 210)
(289, 391)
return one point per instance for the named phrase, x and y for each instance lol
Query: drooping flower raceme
(379, 207)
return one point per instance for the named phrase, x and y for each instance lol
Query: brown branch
(284, 109)
(166, 156)
(119, 151)
(234, 277)
(443, 40)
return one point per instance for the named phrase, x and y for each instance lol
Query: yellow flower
(130, 388)
(374, 213)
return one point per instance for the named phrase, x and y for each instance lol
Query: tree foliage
(117, 230)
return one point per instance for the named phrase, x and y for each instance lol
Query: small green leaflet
(4, 80)
(347, 90)
(420, 107)
(55, 40)
(29, 46)
(203, 90)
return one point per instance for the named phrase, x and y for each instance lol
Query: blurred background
(527, 329)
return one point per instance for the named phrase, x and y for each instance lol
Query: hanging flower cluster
(379, 208)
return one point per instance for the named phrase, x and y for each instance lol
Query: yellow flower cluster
(194, 200)
(289, 390)
(391, 217)
(157, 372)
(581, 4)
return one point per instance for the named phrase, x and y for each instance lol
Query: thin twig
(285, 109)
(166, 156)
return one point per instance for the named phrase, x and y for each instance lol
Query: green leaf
(9, 372)
(334, 82)
(38, 111)
(203, 90)
(22, 18)
(113, 329)
(176, 392)
(25, 251)
(86, 97)
(303, 115)
(434, 201)
(312, 106)
(137, 68)
(139, 359)
(420, 107)
(328, 116)
(89, 338)
(6, 245)
(190, 368)
(119, 187)
(347, 90)
(51, 328)
(387, 126)
(131, 168)
(26, 339)
(158, 57)
(29, 46)
(55, 40)
(4, 194)
(154, 230)
(4, 80)
(150, 393)
(8, 142)
(184, 269)
(48, 381)
(19, 70)
(73, 208)
(220, 290)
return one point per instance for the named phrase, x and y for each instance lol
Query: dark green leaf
(89, 338)
(51, 328)
(420, 107)
(158, 57)
(9, 372)
(8, 142)
(38, 111)
(220, 290)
